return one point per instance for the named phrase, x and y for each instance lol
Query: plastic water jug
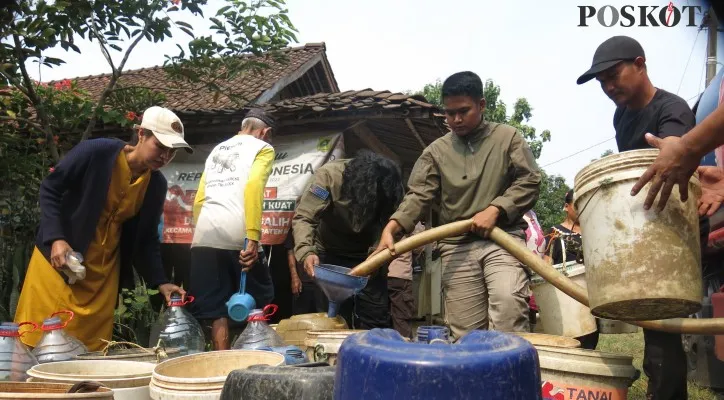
(56, 344)
(258, 333)
(15, 357)
(179, 329)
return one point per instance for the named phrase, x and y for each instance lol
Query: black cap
(610, 53)
(263, 116)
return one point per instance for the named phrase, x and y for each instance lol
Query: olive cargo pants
(484, 287)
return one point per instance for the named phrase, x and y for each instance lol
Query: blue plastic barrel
(379, 364)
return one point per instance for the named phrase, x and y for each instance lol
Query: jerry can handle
(71, 313)
(34, 325)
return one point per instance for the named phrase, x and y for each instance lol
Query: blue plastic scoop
(240, 304)
(337, 285)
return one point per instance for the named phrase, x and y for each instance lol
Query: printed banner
(297, 157)
(296, 161)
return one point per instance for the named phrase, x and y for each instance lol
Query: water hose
(694, 326)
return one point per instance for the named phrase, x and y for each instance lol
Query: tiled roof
(250, 85)
(362, 100)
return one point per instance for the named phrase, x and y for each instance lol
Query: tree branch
(29, 122)
(35, 100)
(111, 85)
(18, 85)
(104, 50)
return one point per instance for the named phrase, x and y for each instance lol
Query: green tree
(496, 111)
(32, 27)
(549, 207)
(604, 154)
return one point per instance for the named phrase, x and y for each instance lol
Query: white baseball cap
(166, 127)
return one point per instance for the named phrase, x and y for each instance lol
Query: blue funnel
(337, 285)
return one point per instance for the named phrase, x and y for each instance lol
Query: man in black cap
(619, 65)
(227, 219)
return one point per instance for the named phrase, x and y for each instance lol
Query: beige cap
(166, 127)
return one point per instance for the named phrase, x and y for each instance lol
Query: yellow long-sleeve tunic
(94, 298)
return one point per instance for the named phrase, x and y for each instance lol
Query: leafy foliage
(604, 154)
(39, 123)
(31, 27)
(549, 207)
(134, 315)
(496, 111)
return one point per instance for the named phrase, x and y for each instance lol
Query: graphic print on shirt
(224, 162)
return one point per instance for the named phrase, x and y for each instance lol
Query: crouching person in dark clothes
(338, 221)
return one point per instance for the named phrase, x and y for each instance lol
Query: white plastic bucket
(323, 346)
(560, 314)
(128, 379)
(540, 339)
(49, 391)
(201, 376)
(585, 374)
(640, 265)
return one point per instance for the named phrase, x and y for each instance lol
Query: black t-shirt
(563, 237)
(666, 115)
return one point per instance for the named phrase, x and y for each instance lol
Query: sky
(530, 48)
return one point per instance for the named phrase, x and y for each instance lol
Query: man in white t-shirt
(227, 211)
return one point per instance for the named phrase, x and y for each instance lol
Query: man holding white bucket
(619, 64)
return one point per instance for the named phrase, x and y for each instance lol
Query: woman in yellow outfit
(104, 200)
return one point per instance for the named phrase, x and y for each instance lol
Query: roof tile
(191, 97)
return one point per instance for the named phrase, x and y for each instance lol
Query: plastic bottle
(15, 357)
(74, 269)
(258, 333)
(56, 344)
(179, 329)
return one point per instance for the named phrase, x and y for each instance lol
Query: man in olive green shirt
(484, 171)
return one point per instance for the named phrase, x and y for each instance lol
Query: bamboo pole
(708, 326)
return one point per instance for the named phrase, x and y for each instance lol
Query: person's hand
(387, 238)
(296, 285)
(484, 221)
(673, 166)
(58, 252)
(167, 289)
(387, 241)
(712, 190)
(249, 256)
(309, 263)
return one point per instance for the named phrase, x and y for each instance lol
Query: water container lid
(52, 323)
(178, 301)
(9, 329)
